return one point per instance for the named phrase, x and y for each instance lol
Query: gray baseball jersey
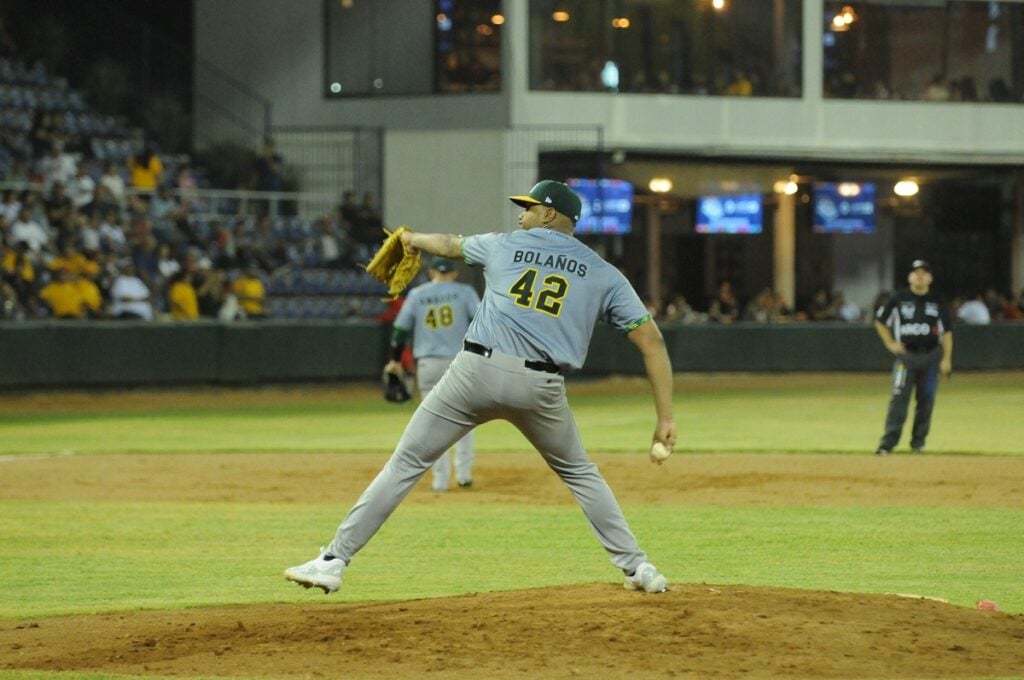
(545, 290)
(437, 314)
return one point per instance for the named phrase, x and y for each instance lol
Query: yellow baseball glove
(394, 264)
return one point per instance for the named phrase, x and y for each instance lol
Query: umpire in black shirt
(915, 326)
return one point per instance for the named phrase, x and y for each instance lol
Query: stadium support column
(784, 278)
(654, 254)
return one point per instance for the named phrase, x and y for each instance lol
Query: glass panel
(717, 47)
(412, 46)
(468, 36)
(935, 51)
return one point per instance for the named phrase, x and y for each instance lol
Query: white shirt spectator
(129, 294)
(114, 238)
(974, 312)
(11, 210)
(850, 311)
(89, 237)
(31, 232)
(80, 190)
(57, 167)
(112, 180)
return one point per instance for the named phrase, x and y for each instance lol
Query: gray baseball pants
(475, 390)
(428, 372)
(912, 373)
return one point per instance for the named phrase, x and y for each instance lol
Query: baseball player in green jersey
(544, 292)
(437, 315)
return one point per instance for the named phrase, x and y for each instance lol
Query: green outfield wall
(109, 354)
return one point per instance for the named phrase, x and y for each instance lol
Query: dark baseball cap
(554, 194)
(442, 264)
(920, 264)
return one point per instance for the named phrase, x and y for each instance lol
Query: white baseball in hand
(659, 452)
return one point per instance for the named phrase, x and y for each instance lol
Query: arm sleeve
(477, 249)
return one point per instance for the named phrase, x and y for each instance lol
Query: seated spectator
(182, 300)
(29, 231)
(146, 170)
(250, 292)
(67, 298)
(820, 307)
(163, 205)
(724, 308)
(679, 310)
(11, 206)
(974, 311)
(18, 272)
(57, 203)
(936, 91)
(167, 264)
(845, 310)
(81, 189)
(114, 183)
(57, 166)
(211, 293)
(129, 296)
(112, 236)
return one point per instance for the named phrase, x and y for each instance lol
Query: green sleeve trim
(633, 325)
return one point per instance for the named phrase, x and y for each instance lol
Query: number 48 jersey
(544, 292)
(438, 314)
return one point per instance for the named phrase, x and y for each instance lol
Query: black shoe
(466, 484)
(917, 449)
(882, 451)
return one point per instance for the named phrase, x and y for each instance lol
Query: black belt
(921, 350)
(545, 366)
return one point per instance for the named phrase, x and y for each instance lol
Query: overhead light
(784, 186)
(497, 20)
(560, 16)
(660, 185)
(905, 187)
(335, 88)
(848, 189)
(620, 22)
(484, 29)
(718, 5)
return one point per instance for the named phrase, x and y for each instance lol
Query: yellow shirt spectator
(250, 293)
(146, 170)
(23, 270)
(183, 300)
(90, 294)
(63, 298)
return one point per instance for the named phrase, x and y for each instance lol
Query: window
(703, 47)
(953, 51)
(404, 47)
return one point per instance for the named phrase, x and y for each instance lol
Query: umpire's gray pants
(428, 373)
(475, 390)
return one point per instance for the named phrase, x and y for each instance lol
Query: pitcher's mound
(588, 631)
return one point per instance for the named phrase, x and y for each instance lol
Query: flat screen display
(844, 208)
(607, 206)
(733, 214)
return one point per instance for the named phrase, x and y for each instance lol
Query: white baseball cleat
(324, 572)
(647, 578)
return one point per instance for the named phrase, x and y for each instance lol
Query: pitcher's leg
(552, 430)
(464, 455)
(927, 386)
(425, 438)
(897, 413)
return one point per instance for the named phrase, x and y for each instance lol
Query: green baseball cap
(554, 194)
(442, 264)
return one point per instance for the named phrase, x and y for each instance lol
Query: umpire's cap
(554, 194)
(920, 264)
(442, 264)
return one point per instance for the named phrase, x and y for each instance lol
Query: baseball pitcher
(544, 293)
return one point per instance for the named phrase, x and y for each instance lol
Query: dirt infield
(594, 630)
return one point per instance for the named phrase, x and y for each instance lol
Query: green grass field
(62, 557)
(975, 413)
